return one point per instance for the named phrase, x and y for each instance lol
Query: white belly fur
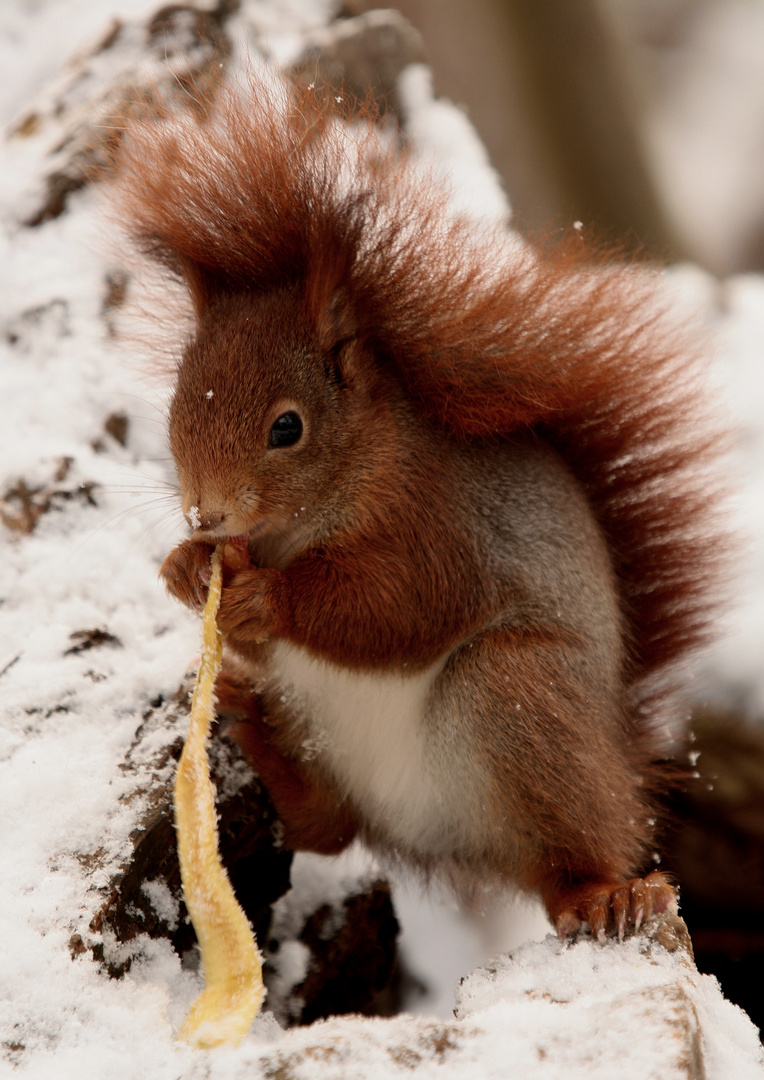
(370, 731)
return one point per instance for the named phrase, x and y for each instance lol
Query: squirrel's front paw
(186, 572)
(249, 612)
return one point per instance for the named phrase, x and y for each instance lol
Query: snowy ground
(91, 562)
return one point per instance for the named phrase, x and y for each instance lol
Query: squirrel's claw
(608, 906)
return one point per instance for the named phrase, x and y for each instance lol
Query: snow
(70, 712)
(447, 142)
(162, 901)
(36, 37)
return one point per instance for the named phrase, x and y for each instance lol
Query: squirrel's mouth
(266, 543)
(242, 547)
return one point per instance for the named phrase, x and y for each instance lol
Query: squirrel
(462, 488)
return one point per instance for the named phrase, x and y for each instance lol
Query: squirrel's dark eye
(287, 430)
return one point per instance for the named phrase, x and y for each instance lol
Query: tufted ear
(337, 323)
(204, 285)
(338, 336)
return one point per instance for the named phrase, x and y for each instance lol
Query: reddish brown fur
(487, 340)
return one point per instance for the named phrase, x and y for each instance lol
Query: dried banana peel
(232, 966)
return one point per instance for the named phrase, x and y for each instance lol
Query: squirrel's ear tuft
(204, 285)
(337, 322)
(338, 331)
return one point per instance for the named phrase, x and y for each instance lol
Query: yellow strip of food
(233, 979)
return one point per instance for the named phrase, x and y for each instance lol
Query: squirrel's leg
(565, 793)
(312, 817)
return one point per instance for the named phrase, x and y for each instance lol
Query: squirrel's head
(280, 420)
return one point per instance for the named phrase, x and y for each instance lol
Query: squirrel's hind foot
(609, 906)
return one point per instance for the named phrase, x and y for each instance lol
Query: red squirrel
(461, 488)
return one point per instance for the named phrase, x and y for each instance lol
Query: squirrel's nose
(201, 517)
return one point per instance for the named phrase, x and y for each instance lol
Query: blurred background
(644, 118)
